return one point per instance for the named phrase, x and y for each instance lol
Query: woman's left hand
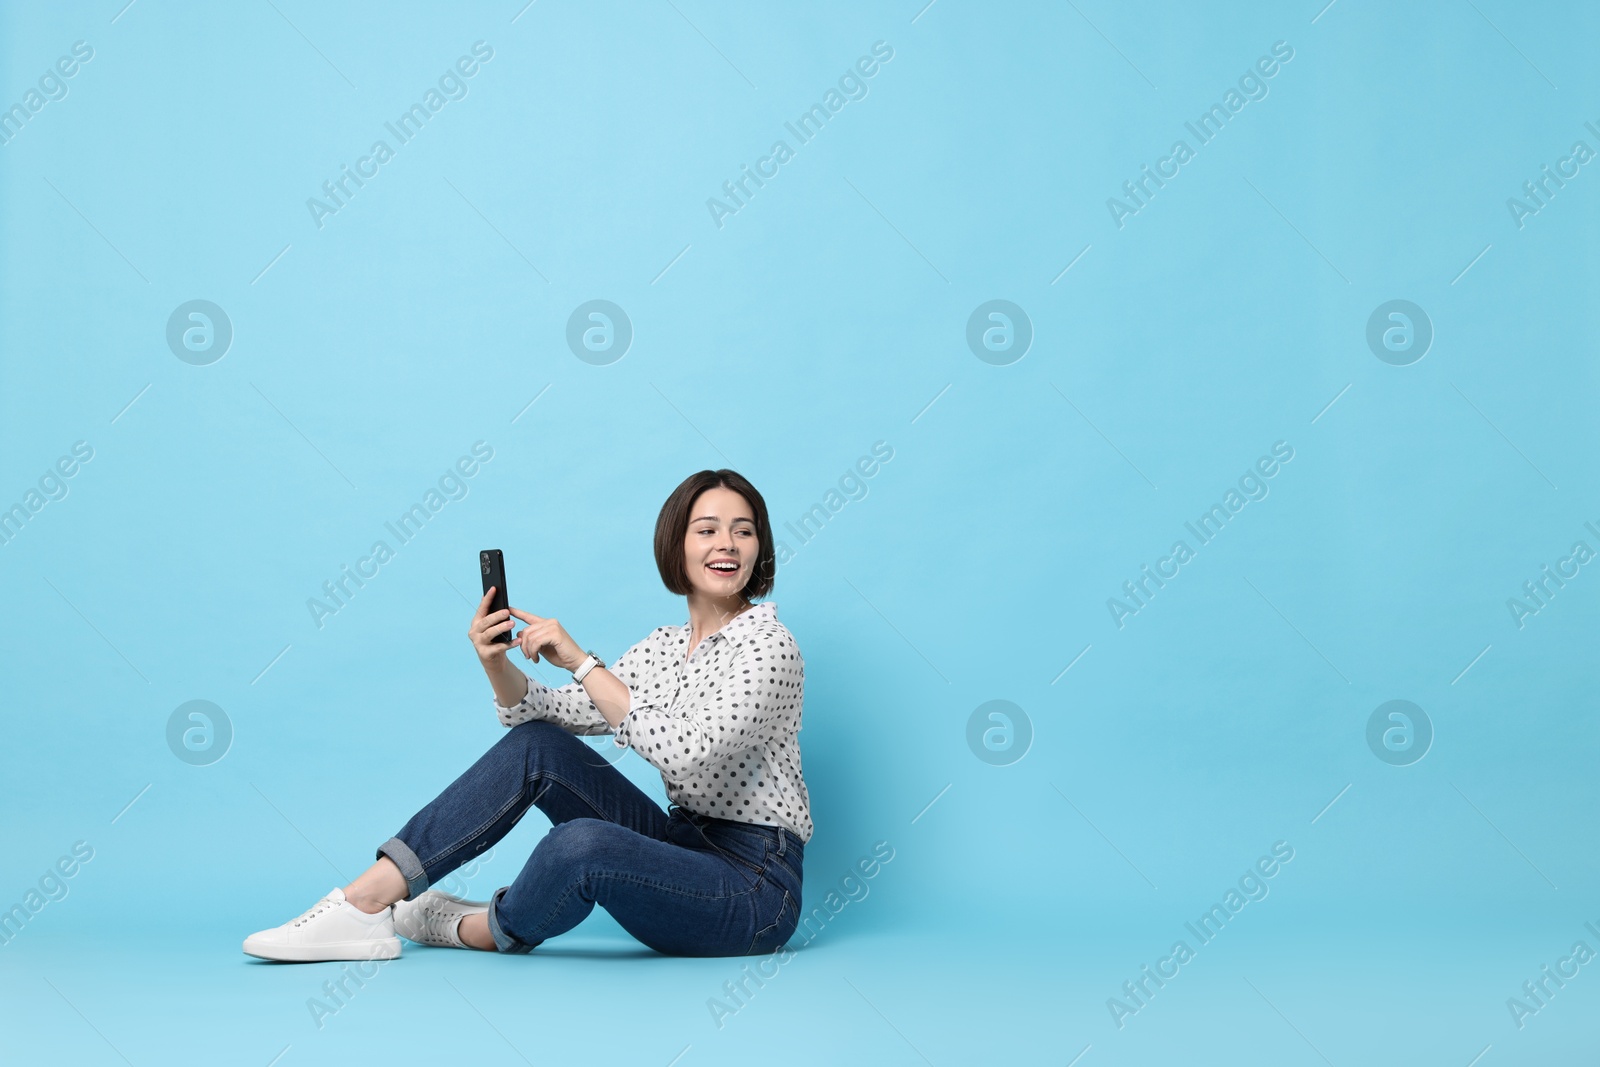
(547, 638)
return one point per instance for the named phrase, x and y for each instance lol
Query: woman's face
(720, 549)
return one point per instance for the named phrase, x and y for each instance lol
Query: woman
(713, 704)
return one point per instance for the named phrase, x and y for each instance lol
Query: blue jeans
(684, 884)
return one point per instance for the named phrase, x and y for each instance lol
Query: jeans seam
(461, 843)
(551, 776)
(787, 897)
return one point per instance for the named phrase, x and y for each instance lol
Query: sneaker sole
(383, 949)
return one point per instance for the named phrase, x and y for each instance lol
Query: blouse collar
(738, 624)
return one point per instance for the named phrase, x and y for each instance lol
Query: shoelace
(436, 920)
(316, 909)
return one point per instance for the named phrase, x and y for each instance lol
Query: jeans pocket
(771, 938)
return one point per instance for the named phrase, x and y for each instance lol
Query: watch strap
(590, 663)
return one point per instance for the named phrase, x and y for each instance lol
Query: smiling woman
(709, 519)
(713, 704)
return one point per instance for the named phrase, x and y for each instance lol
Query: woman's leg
(379, 886)
(533, 764)
(677, 899)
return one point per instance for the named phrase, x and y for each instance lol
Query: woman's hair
(672, 526)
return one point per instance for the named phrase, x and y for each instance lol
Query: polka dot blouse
(722, 727)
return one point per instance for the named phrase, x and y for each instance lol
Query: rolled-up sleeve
(569, 706)
(762, 684)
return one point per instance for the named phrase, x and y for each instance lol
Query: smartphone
(493, 566)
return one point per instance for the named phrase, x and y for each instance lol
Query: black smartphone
(493, 566)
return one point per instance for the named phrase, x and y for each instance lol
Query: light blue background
(828, 314)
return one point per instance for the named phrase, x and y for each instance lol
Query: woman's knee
(576, 841)
(532, 730)
(531, 737)
(577, 848)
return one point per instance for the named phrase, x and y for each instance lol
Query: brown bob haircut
(672, 526)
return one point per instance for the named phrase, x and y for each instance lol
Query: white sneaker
(434, 918)
(331, 929)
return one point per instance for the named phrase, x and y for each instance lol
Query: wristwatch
(586, 666)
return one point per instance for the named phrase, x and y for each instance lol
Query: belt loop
(782, 840)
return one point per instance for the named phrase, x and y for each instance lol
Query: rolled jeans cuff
(410, 866)
(505, 942)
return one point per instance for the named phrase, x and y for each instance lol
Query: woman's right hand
(485, 625)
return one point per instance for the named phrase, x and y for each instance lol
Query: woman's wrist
(575, 659)
(510, 684)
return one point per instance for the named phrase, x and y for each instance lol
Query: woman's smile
(723, 527)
